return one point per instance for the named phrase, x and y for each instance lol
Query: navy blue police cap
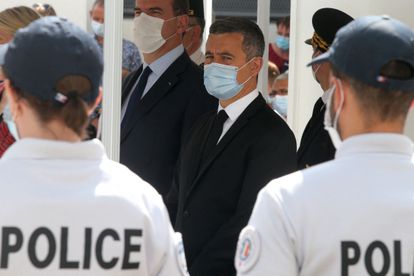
(46, 51)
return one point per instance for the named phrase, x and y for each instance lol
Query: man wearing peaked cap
(316, 146)
(193, 36)
(351, 215)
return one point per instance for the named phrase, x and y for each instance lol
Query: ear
(13, 99)
(196, 33)
(182, 23)
(256, 65)
(341, 90)
(93, 106)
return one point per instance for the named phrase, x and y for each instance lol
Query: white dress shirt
(235, 109)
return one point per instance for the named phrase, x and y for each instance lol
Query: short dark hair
(181, 7)
(382, 104)
(283, 21)
(253, 39)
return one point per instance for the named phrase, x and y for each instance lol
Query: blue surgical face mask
(11, 125)
(280, 104)
(221, 80)
(282, 42)
(98, 28)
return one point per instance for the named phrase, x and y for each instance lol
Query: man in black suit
(230, 154)
(316, 145)
(163, 98)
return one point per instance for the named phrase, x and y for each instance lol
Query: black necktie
(215, 132)
(136, 95)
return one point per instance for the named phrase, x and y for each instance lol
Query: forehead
(280, 83)
(226, 41)
(148, 4)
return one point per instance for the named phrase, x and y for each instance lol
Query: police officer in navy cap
(352, 215)
(316, 146)
(193, 36)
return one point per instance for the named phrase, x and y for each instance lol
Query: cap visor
(308, 41)
(320, 59)
(3, 51)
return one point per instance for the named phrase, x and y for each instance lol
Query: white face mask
(11, 125)
(331, 125)
(97, 28)
(147, 33)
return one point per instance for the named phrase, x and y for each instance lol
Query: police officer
(315, 145)
(352, 215)
(193, 37)
(65, 207)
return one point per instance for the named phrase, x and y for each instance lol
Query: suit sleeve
(271, 157)
(171, 200)
(272, 237)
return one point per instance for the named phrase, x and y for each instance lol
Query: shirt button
(186, 214)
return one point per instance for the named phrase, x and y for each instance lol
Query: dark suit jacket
(212, 201)
(151, 141)
(316, 145)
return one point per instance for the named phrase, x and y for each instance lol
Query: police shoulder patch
(248, 249)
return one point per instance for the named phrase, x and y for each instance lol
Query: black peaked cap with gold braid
(326, 22)
(196, 8)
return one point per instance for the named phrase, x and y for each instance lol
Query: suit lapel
(238, 125)
(161, 87)
(129, 84)
(197, 154)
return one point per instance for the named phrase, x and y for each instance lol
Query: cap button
(386, 17)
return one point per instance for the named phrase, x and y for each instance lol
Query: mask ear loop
(336, 119)
(245, 66)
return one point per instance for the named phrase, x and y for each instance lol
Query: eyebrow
(153, 9)
(220, 54)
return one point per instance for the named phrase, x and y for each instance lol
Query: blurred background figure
(193, 36)
(131, 60)
(44, 9)
(10, 21)
(6, 139)
(272, 72)
(279, 94)
(316, 145)
(279, 50)
(13, 19)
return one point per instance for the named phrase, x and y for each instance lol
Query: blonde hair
(15, 18)
(44, 9)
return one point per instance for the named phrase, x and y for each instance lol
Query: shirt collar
(235, 109)
(159, 66)
(29, 148)
(376, 143)
(198, 56)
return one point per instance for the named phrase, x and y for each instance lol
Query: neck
(248, 87)
(171, 44)
(54, 130)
